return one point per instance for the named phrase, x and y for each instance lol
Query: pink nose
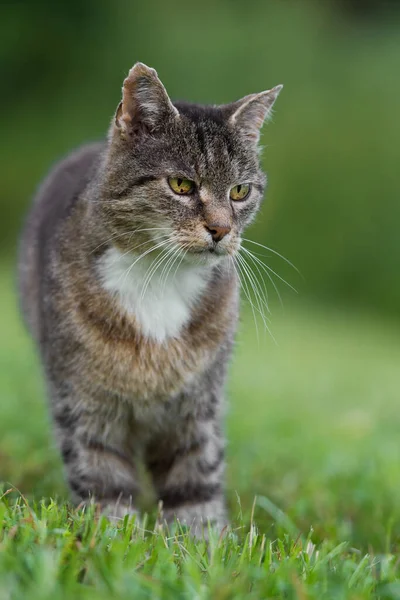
(218, 231)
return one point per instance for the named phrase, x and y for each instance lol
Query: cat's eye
(180, 185)
(240, 192)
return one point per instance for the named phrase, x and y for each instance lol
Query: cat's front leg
(93, 438)
(188, 471)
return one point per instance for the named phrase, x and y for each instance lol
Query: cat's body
(131, 296)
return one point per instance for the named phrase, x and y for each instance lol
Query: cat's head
(180, 175)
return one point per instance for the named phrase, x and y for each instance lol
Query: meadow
(313, 479)
(313, 420)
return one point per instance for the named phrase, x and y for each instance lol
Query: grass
(313, 479)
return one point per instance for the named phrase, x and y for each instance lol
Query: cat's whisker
(244, 272)
(185, 247)
(251, 257)
(170, 256)
(113, 237)
(141, 256)
(132, 250)
(244, 287)
(170, 263)
(165, 270)
(261, 302)
(131, 233)
(153, 249)
(273, 252)
(246, 290)
(153, 229)
(253, 281)
(267, 267)
(264, 290)
(272, 282)
(154, 267)
(168, 266)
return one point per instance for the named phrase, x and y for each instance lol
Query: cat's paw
(117, 511)
(200, 520)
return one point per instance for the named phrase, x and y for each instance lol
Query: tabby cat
(127, 286)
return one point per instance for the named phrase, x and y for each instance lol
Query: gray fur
(116, 395)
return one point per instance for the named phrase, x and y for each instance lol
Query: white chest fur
(161, 307)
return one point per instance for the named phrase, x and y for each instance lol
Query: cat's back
(52, 204)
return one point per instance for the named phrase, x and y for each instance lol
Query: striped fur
(138, 375)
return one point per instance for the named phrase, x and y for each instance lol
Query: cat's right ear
(145, 104)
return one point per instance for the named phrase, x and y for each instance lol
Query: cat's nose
(218, 231)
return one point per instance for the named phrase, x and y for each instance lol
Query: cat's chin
(206, 257)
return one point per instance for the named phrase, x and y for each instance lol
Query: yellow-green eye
(240, 192)
(181, 186)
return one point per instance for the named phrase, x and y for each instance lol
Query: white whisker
(131, 233)
(264, 291)
(255, 287)
(152, 249)
(154, 267)
(185, 247)
(132, 250)
(264, 266)
(269, 277)
(168, 267)
(245, 289)
(273, 252)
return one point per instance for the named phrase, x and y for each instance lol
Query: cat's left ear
(145, 104)
(252, 111)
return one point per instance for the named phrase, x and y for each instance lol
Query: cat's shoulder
(70, 174)
(60, 190)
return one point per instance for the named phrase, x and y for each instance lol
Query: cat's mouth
(208, 251)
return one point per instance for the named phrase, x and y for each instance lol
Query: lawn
(313, 478)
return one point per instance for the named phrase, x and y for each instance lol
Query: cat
(127, 286)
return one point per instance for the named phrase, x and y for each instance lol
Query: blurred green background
(333, 149)
(314, 422)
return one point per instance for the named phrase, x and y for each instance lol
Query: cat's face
(182, 177)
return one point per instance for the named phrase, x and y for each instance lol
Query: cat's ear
(145, 104)
(252, 111)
